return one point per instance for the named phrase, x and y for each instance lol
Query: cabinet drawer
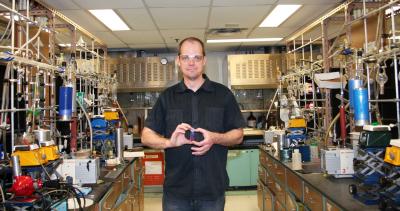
(263, 156)
(126, 177)
(278, 206)
(268, 163)
(110, 199)
(261, 174)
(269, 180)
(279, 171)
(280, 193)
(330, 206)
(312, 198)
(268, 200)
(295, 184)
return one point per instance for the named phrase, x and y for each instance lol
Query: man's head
(191, 58)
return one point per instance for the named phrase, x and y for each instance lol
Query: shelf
(136, 108)
(255, 110)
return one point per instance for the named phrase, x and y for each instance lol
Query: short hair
(191, 39)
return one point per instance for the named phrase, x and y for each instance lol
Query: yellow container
(392, 155)
(31, 158)
(111, 115)
(297, 123)
(51, 152)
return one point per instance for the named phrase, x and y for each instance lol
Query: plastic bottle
(296, 160)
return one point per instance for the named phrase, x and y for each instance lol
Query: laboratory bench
(281, 188)
(122, 188)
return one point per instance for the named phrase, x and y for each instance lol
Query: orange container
(392, 155)
(153, 163)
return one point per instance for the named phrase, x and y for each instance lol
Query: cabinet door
(330, 206)
(254, 161)
(260, 196)
(268, 200)
(238, 167)
(278, 206)
(312, 198)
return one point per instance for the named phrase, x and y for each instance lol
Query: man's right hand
(178, 136)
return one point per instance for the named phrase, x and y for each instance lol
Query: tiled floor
(235, 201)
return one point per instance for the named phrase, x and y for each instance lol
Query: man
(195, 169)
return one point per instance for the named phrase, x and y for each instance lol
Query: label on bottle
(251, 123)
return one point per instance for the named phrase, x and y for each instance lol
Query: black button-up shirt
(212, 107)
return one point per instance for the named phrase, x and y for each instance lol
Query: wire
(29, 41)
(6, 30)
(2, 196)
(44, 169)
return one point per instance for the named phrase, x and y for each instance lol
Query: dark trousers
(171, 203)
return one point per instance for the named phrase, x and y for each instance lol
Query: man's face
(191, 60)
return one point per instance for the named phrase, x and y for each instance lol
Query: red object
(342, 124)
(25, 186)
(153, 163)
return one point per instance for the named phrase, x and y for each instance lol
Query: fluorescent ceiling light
(245, 40)
(109, 18)
(279, 14)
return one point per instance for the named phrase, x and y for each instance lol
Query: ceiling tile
(241, 2)
(84, 19)
(246, 17)
(219, 47)
(305, 15)
(177, 3)
(62, 4)
(117, 46)
(270, 32)
(180, 18)
(107, 4)
(108, 37)
(139, 37)
(171, 35)
(148, 46)
(137, 19)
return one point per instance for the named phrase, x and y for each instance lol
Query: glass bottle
(251, 121)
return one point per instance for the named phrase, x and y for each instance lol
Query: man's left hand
(203, 146)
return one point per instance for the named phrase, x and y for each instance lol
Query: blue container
(65, 100)
(305, 153)
(353, 84)
(361, 112)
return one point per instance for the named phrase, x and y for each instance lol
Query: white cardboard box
(329, 80)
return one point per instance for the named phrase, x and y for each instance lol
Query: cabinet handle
(106, 208)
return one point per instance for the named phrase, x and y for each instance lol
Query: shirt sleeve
(155, 119)
(233, 116)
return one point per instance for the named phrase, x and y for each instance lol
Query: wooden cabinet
(126, 191)
(294, 184)
(312, 198)
(281, 189)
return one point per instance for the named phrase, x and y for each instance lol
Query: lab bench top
(108, 176)
(334, 189)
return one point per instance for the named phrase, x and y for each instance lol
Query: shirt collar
(206, 86)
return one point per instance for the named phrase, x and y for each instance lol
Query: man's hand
(178, 136)
(202, 147)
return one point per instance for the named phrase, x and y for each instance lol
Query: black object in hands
(193, 135)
